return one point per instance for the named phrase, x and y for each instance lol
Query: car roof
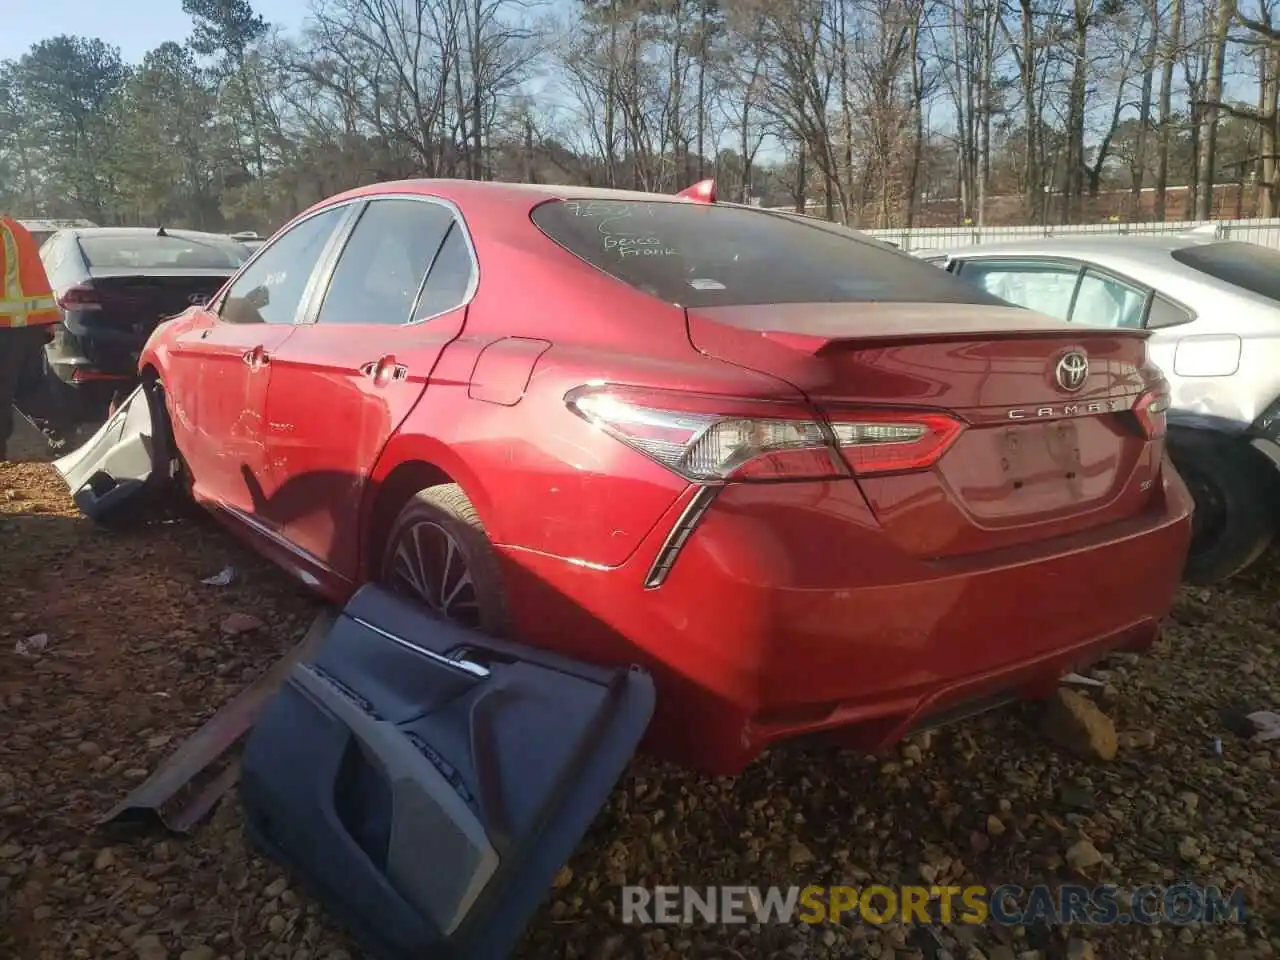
(1151, 249)
(518, 193)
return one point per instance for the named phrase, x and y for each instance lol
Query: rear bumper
(788, 612)
(77, 359)
(84, 379)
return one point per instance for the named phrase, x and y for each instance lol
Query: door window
(381, 269)
(271, 289)
(449, 281)
(1104, 301)
(1044, 287)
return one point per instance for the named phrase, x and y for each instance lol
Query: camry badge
(1072, 371)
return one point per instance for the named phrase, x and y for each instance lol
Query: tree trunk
(1166, 107)
(530, 173)
(1269, 141)
(702, 90)
(846, 111)
(917, 115)
(1138, 172)
(1196, 113)
(1205, 158)
(802, 180)
(477, 94)
(1031, 179)
(1073, 180)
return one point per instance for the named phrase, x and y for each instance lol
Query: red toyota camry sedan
(813, 484)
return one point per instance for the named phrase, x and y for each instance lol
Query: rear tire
(439, 555)
(1234, 493)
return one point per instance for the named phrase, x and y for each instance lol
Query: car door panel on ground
(395, 299)
(230, 354)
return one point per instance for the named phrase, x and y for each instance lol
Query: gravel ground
(136, 660)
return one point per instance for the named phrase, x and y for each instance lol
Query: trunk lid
(1036, 459)
(135, 303)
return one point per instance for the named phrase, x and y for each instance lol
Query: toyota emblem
(1072, 371)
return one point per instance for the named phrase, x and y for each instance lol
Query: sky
(135, 27)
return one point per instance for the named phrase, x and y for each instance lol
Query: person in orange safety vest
(28, 312)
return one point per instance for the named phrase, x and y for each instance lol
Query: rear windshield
(1245, 265)
(707, 255)
(152, 252)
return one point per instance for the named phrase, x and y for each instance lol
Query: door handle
(383, 369)
(256, 358)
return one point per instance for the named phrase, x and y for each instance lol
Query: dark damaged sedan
(114, 285)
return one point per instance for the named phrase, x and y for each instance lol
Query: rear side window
(449, 280)
(151, 252)
(1166, 313)
(708, 255)
(1246, 265)
(384, 262)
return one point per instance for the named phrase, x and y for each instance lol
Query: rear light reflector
(891, 442)
(81, 375)
(1151, 409)
(698, 438)
(79, 298)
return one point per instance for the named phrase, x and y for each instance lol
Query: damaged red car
(812, 484)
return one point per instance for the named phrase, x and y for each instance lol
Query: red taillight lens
(79, 298)
(762, 440)
(1150, 409)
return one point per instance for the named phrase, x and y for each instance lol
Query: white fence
(1265, 232)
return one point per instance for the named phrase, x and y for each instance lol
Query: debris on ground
(1266, 725)
(1075, 722)
(1076, 680)
(138, 661)
(32, 645)
(223, 578)
(237, 623)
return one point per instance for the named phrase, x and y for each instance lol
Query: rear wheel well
(1235, 490)
(393, 493)
(1203, 437)
(149, 374)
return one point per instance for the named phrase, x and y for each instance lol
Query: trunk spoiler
(819, 346)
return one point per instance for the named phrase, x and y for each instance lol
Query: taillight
(1150, 410)
(892, 442)
(79, 298)
(699, 438)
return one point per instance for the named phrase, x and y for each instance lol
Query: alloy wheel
(430, 565)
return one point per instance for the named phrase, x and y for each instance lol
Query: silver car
(1213, 309)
